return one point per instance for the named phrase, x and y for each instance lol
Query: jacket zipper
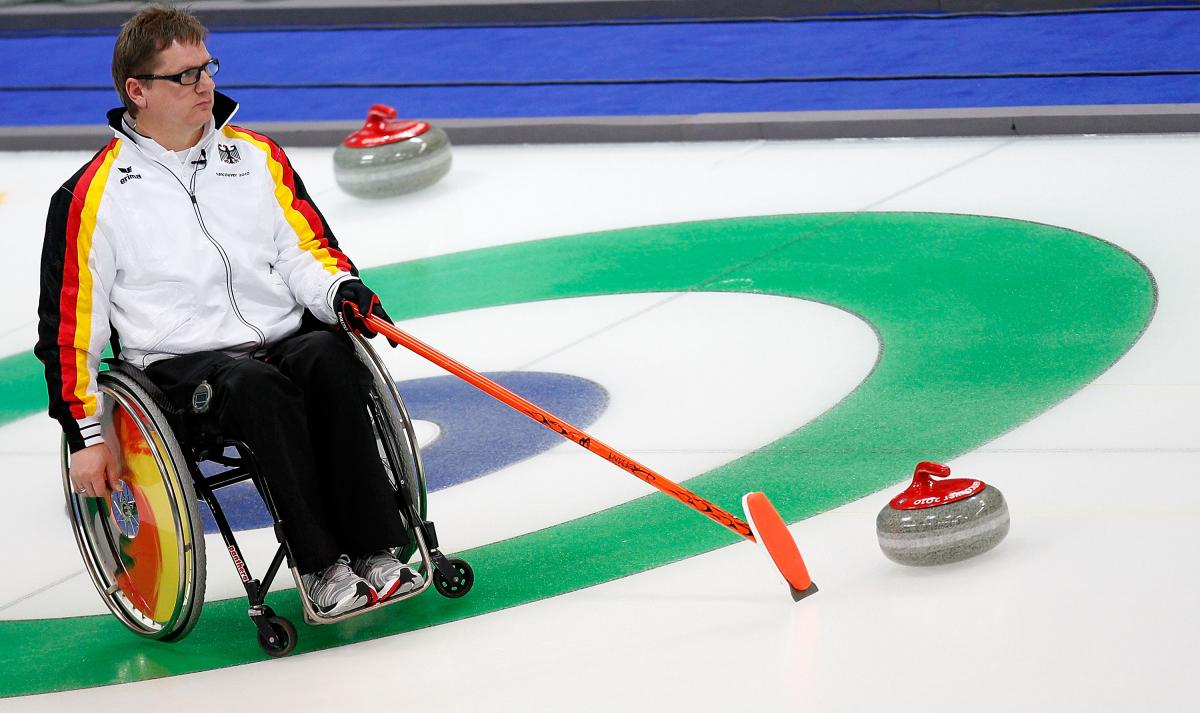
(262, 338)
(191, 191)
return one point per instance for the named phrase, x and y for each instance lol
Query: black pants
(302, 410)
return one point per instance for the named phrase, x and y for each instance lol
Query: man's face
(168, 103)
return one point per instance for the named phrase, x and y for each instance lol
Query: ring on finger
(82, 491)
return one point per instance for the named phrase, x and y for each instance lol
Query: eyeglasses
(187, 76)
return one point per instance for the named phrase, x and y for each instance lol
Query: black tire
(454, 591)
(285, 637)
(397, 440)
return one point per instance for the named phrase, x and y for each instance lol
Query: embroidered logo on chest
(228, 154)
(127, 174)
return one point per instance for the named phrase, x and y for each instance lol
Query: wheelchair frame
(106, 536)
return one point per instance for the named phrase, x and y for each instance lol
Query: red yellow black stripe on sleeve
(313, 233)
(66, 304)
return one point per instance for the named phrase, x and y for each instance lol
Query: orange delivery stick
(765, 526)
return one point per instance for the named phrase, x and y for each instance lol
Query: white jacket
(222, 250)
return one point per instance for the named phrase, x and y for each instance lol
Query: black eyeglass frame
(212, 66)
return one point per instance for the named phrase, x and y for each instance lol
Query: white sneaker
(337, 589)
(388, 575)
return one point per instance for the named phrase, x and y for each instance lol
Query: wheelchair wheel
(143, 547)
(284, 634)
(465, 582)
(395, 436)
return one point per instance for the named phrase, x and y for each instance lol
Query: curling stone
(939, 521)
(387, 157)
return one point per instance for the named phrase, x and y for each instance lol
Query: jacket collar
(223, 110)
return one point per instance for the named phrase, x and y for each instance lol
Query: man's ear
(136, 93)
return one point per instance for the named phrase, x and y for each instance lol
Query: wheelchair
(144, 547)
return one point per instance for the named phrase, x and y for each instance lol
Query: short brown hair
(144, 35)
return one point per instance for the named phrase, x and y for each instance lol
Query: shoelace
(378, 559)
(373, 560)
(332, 573)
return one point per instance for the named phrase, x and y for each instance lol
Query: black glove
(354, 292)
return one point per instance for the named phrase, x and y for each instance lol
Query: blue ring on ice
(478, 434)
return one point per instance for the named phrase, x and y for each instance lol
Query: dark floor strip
(1004, 121)
(35, 16)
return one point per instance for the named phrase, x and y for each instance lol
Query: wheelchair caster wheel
(284, 634)
(466, 580)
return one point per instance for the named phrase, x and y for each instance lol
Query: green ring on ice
(984, 323)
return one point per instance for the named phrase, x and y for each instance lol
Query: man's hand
(94, 472)
(354, 292)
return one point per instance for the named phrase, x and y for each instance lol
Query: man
(197, 242)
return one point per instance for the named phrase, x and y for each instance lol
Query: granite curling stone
(387, 157)
(938, 521)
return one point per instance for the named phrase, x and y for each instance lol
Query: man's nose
(206, 82)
